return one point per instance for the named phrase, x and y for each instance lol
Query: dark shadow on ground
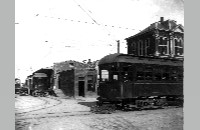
(88, 104)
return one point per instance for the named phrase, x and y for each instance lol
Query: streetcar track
(44, 107)
(81, 113)
(21, 109)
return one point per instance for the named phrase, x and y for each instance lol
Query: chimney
(118, 46)
(89, 61)
(161, 19)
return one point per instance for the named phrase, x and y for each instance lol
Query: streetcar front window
(104, 75)
(115, 77)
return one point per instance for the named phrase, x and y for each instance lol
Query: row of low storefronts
(72, 78)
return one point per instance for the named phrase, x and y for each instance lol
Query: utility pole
(118, 46)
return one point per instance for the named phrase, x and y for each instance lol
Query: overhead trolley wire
(86, 12)
(95, 21)
(79, 21)
(109, 34)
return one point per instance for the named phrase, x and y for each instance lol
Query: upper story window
(163, 47)
(140, 48)
(178, 46)
(146, 47)
(133, 48)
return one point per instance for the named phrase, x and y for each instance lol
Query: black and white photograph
(99, 65)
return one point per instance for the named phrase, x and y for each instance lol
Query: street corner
(23, 102)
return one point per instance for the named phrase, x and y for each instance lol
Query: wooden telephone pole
(118, 46)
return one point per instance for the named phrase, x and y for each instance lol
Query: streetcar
(140, 81)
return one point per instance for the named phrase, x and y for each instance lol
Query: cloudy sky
(48, 31)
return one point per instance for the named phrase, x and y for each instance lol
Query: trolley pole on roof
(118, 46)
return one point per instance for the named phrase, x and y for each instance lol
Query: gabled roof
(168, 25)
(46, 70)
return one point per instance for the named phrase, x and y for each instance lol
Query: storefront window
(91, 86)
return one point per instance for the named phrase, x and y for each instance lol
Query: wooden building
(164, 38)
(75, 78)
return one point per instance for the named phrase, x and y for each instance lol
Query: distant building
(164, 38)
(75, 78)
(17, 83)
(41, 79)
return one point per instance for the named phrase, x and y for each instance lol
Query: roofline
(139, 57)
(145, 31)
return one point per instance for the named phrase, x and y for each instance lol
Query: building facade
(75, 78)
(164, 38)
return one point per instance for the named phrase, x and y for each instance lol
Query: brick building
(164, 38)
(75, 79)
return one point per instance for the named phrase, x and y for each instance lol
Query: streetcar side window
(104, 75)
(127, 76)
(148, 75)
(158, 76)
(180, 76)
(165, 76)
(130, 76)
(140, 75)
(174, 76)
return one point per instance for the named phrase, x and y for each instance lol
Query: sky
(49, 31)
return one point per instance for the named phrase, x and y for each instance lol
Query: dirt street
(52, 113)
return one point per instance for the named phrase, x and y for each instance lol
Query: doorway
(81, 85)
